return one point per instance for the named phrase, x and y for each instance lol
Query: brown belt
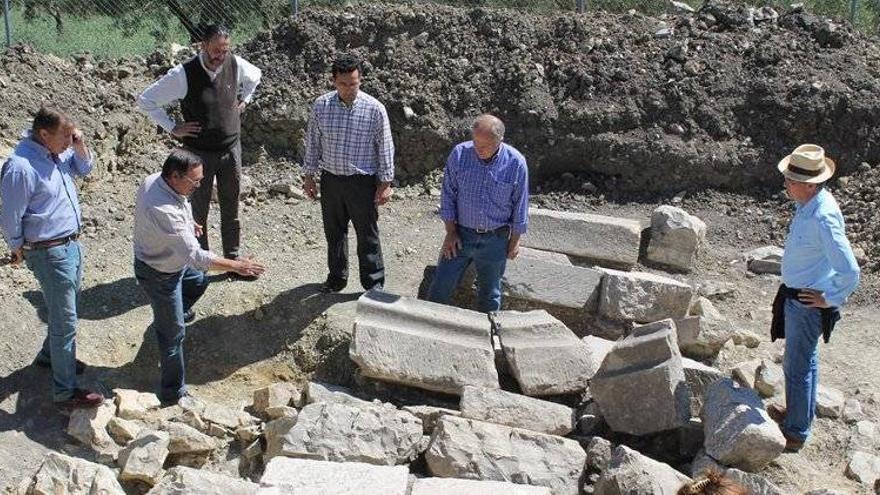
(33, 246)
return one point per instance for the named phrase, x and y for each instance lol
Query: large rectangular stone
(445, 486)
(422, 344)
(309, 477)
(699, 377)
(547, 284)
(464, 448)
(181, 479)
(643, 297)
(546, 358)
(585, 235)
(519, 411)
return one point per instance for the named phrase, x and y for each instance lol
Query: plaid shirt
(352, 140)
(486, 195)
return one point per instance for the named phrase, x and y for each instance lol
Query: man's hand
(198, 230)
(451, 245)
(186, 129)
(383, 193)
(79, 144)
(249, 268)
(813, 298)
(310, 188)
(513, 247)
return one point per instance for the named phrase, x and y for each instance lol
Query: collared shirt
(817, 253)
(173, 87)
(164, 230)
(40, 202)
(489, 194)
(349, 140)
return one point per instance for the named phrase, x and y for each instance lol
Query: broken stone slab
(864, 468)
(89, 426)
(643, 297)
(375, 434)
(698, 377)
(422, 344)
(327, 392)
(181, 479)
(745, 373)
(308, 476)
(185, 439)
(122, 430)
(739, 433)
(277, 395)
(59, 473)
(445, 486)
(763, 260)
(545, 357)
(549, 285)
(769, 379)
(704, 333)
(594, 237)
(599, 348)
(133, 404)
(518, 411)
(676, 238)
(631, 472)
(754, 483)
(470, 449)
(430, 415)
(643, 368)
(142, 459)
(829, 402)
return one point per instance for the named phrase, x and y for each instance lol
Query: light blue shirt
(489, 194)
(39, 197)
(817, 253)
(349, 140)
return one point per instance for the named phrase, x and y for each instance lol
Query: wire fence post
(6, 13)
(294, 5)
(581, 6)
(853, 11)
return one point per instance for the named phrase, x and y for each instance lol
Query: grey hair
(491, 123)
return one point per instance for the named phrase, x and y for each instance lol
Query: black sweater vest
(214, 104)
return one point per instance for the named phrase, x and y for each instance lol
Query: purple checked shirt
(486, 194)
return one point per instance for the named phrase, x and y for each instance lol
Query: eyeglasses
(194, 183)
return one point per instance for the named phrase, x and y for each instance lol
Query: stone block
(276, 395)
(829, 402)
(143, 458)
(446, 486)
(133, 404)
(631, 472)
(63, 474)
(676, 238)
(185, 480)
(315, 477)
(769, 379)
(643, 297)
(765, 260)
(518, 411)
(698, 377)
(185, 439)
(89, 426)
(547, 285)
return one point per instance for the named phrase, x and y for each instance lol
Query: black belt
(504, 229)
(33, 246)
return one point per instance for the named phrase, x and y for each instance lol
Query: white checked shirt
(353, 140)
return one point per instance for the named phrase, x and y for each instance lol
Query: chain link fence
(116, 28)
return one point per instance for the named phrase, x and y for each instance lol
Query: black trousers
(226, 167)
(351, 198)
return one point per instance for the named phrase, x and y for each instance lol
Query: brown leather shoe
(776, 413)
(792, 444)
(82, 399)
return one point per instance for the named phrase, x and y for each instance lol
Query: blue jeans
(803, 326)
(488, 253)
(171, 295)
(59, 271)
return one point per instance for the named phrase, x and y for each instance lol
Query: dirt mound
(680, 101)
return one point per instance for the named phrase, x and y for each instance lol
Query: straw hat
(807, 163)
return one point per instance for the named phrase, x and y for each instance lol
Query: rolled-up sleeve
(519, 220)
(449, 190)
(181, 239)
(385, 146)
(842, 260)
(15, 190)
(167, 90)
(249, 76)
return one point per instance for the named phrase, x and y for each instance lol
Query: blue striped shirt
(39, 197)
(486, 195)
(817, 253)
(353, 140)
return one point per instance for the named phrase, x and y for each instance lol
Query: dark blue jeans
(171, 295)
(488, 253)
(803, 326)
(59, 271)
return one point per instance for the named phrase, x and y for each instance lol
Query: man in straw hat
(819, 272)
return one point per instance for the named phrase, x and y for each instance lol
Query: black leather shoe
(329, 287)
(80, 366)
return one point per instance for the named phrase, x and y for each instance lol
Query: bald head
(487, 132)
